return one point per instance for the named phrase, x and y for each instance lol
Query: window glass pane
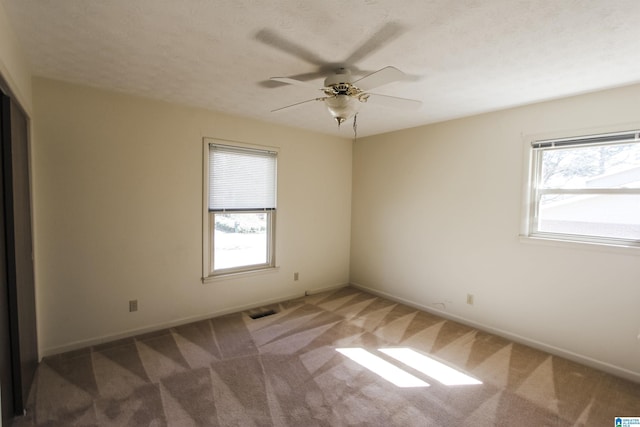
(605, 166)
(602, 215)
(240, 239)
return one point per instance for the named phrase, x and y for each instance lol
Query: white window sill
(240, 274)
(574, 244)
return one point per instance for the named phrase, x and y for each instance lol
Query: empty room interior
(455, 181)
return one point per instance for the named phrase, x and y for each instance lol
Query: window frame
(208, 218)
(534, 148)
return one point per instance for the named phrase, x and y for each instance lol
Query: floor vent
(262, 314)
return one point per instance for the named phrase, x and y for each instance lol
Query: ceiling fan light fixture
(342, 107)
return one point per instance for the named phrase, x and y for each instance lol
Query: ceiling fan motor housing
(342, 75)
(342, 89)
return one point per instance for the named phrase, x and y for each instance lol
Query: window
(240, 198)
(586, 189)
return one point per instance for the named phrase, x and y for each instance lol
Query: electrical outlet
(296, 276)
(470, 299)
(133, 305)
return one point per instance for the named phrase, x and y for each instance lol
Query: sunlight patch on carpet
(383, 368)
(430, 367)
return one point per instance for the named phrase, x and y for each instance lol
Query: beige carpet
(285, 370)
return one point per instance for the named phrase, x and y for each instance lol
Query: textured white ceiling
(463, 56)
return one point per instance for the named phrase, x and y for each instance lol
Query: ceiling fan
(343, 95)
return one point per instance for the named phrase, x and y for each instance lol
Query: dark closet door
(6, 376)
(18, 274)
(6, 380)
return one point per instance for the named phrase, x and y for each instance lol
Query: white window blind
(241, 179)
(616, 138)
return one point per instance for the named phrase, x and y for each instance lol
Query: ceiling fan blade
(394, 101)
(386, 34)
(290, 81)
(298, 103)
(274, 40)
(379, 78)
(313, 75)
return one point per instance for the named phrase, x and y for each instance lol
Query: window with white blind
(240, 187)
(586, 189)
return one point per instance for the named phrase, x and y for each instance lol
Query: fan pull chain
(355, 128)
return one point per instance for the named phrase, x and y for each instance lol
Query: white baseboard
(325, 289)
(178, 322)
(557, 351)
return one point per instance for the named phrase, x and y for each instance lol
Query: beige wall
(118, 189)
(14, 67)
(436, 215)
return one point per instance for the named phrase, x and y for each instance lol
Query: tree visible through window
(587, 188)
(240, 239)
